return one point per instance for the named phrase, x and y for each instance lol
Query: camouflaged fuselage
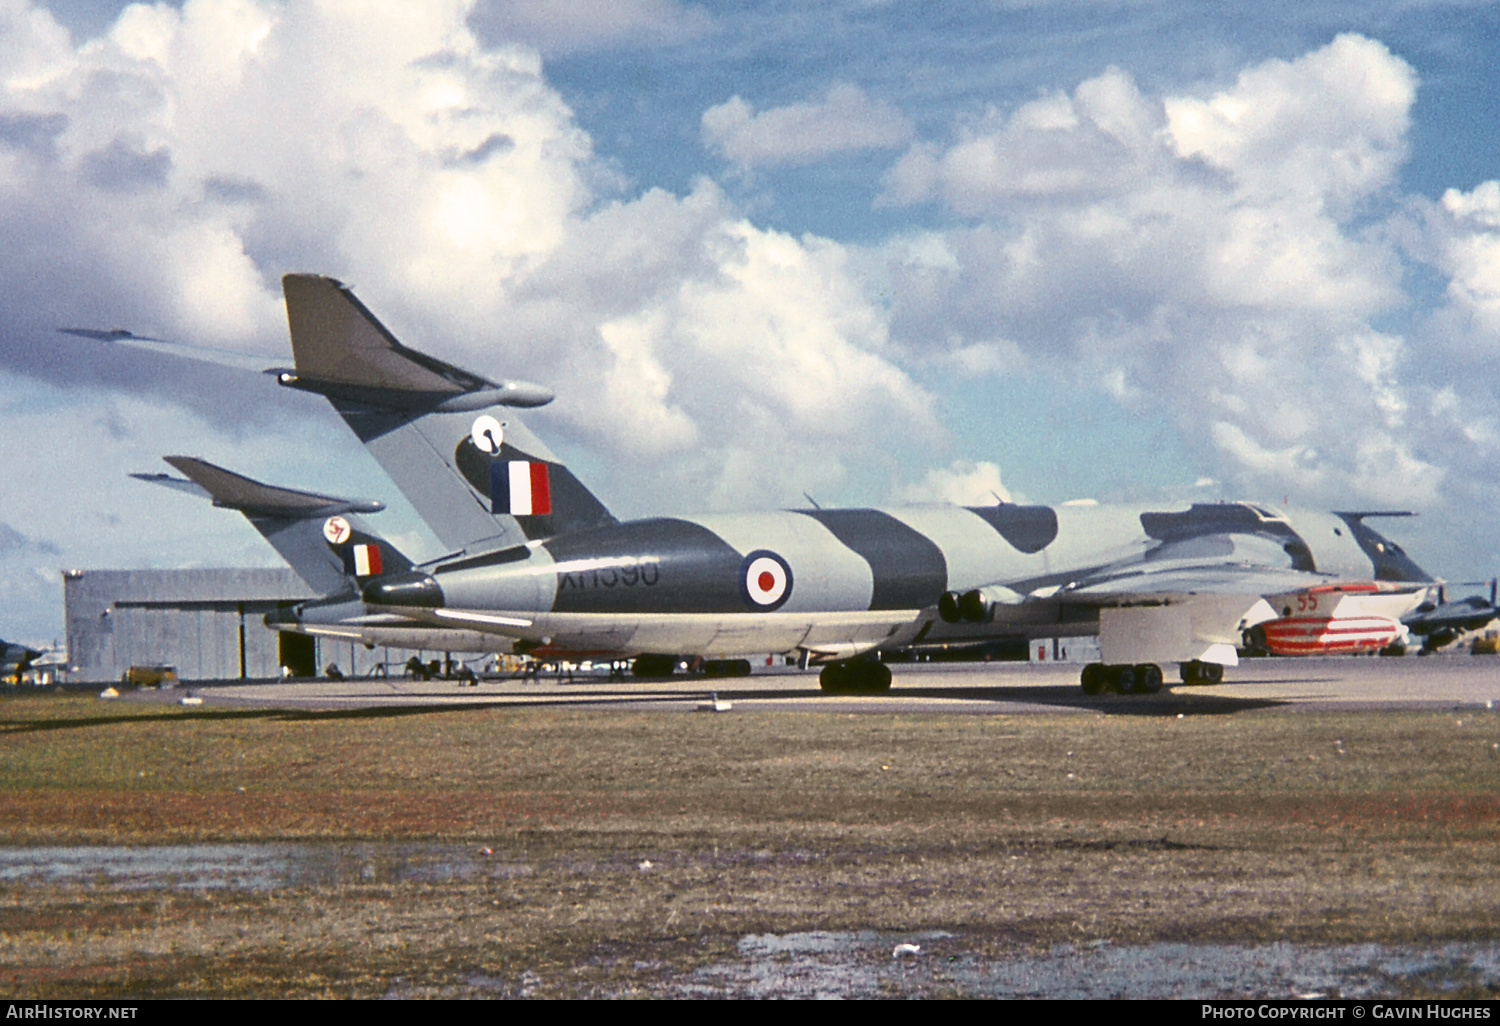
(877, 559)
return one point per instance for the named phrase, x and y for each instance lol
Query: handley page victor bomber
(542, 566)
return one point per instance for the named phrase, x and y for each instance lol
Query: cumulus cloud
(963, 483)
(164, 176)
(1467, 231)
(1453, 407)
(845, 120)
(1199, 252)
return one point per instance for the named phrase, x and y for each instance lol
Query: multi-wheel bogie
(1143, 678)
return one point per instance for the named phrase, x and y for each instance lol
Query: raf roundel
(336, 530)
(765, 580)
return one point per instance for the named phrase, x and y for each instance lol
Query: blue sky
(870, 251)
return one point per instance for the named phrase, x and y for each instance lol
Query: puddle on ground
(252, 867)
(804, 965)
(867, 964)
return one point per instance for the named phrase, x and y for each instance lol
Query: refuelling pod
(977, 605)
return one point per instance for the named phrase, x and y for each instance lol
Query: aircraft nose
(409, 589)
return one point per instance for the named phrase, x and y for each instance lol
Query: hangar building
(208, 624)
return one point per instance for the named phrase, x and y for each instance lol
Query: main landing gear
(862, 676)
(726, 668)
(1144, 678)
(1140, 679)
(650, 665)
(1198, 672)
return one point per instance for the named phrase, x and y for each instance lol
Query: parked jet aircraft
(1440, 622)
(15, 659)
(540, 562)
(324, 540)
(1155, 585)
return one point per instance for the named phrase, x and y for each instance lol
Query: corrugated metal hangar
(207, 624)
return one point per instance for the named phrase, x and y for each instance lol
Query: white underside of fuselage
(712, 635)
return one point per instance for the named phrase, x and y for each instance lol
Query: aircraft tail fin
(479, 479)
(321, 537)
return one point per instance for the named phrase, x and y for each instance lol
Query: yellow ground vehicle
(149, 676)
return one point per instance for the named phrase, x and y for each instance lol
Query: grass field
(1012, 834)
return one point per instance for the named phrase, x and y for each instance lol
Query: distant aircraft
(1340, 619)
(1439, 622)
(15, 660)
(538, 560)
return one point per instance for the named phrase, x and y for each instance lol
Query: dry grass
(1011, 832)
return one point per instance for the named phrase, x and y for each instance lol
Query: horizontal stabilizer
(174, 483)
(342, 351)
(234, 491)
(203, 354)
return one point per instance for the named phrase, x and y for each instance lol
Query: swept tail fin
(321, 537)
(422, 420)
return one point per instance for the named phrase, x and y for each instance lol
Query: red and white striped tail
(1328, 635)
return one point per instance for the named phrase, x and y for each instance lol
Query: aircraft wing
(1176, 602)
(1222, 564)
(1150, 583)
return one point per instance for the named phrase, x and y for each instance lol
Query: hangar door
(203, 640)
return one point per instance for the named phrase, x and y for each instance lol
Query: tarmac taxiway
(1324, 684)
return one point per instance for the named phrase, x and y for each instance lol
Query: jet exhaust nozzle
(409, 589)
(973, 606)
(977, 605)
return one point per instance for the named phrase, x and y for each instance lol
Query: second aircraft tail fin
(321, 537)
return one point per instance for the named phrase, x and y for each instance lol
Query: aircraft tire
(1199, 672)
(1148, 679)
(834, 678)
(727, 668)
(1094, 678)
(855, 677)
(653, 665)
